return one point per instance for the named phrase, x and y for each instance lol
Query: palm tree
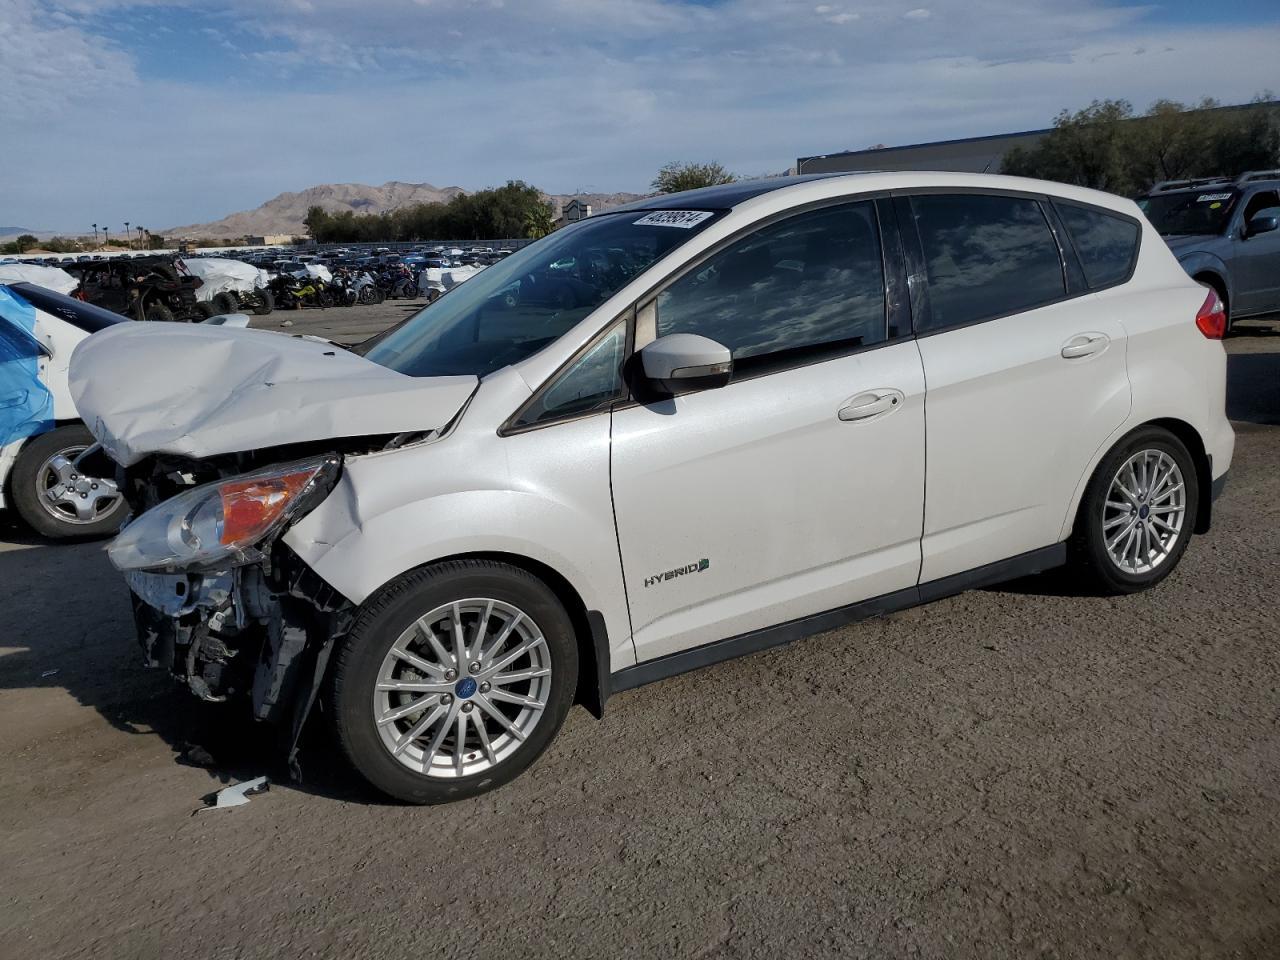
(538, 222)
(95, 235)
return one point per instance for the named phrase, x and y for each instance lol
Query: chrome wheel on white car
(1138, 512)
(1145, 511)
(453, 679)
(462, 688)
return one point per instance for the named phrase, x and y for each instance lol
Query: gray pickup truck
(1224, 233)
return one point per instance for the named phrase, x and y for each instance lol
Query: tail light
(1211, 318)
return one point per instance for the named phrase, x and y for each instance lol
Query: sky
(169, 112)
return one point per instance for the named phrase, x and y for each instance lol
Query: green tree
(538, 222)
(25, 242)
(1107, 147)
(676, 176)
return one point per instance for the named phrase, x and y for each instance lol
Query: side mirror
(684, 362)
(1262, 223)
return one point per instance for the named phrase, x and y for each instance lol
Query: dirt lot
(1016, 772)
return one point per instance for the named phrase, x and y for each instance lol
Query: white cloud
(562, 93)
(919, 13)
(50, 59)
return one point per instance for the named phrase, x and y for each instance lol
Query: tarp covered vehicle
(230, 285)
(51, 278)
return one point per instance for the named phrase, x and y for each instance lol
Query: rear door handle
(871, 404)
(1085, 345)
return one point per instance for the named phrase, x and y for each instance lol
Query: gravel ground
(1015, 772)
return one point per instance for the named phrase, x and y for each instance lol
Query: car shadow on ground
(65, 623)
(1253, 387)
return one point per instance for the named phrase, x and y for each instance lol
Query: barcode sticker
(683, 219)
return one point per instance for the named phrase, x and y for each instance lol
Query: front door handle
(872, 403)
(1085, 345)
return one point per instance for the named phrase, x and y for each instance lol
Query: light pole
(128, 237)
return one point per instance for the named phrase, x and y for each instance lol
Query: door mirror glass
(1263, 222)
(684, 362)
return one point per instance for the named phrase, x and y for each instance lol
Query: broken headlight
(223, 523)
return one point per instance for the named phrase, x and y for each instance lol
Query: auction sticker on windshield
(1208, 197)
(684, 219)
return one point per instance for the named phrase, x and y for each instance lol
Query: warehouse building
(970, 155)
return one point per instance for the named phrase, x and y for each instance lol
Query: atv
(144, 288)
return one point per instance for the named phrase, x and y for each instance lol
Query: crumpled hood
(198, 391)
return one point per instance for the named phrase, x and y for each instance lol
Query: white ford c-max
(674, 433)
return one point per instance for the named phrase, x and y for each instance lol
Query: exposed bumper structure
(244, 631)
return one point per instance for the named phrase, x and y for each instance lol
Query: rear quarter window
(1105, 242)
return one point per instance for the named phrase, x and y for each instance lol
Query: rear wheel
(1138, 512)
(206, 309)
(453, 680)
(225, 303)
(54, 498)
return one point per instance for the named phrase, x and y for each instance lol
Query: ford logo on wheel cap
(465, 688)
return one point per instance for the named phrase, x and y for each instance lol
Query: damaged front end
(220, 602)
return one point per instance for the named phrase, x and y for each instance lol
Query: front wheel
(54, 498)
(453, 680)
(266, 303)
(1137, 513)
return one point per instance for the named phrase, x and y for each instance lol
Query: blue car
(1226, 234)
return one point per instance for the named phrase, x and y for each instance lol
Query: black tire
(225, 302)
(159, 313)
(25, 482)
(1090, 558)
(266, 303)
(166, 271)
(384, 619)
(206, 309)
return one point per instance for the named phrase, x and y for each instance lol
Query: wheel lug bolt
(485, 687)
(451, 674)
(466, 708)
(473, 666)
(446, 699)
(94, 486)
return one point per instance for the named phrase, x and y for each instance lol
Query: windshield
(513, 309)
(1192, 212)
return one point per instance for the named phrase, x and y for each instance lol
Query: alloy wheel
(462, 688)
(1145, 511)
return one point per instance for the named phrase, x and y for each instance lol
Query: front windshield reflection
(516, 307)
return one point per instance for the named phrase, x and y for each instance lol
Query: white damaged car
(769, 408)
(49, 473)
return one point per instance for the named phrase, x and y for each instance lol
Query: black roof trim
(86, 316)
(722, 197)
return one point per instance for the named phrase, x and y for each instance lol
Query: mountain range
(284, 214)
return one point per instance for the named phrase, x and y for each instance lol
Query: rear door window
(986, 256)
(1107, 243)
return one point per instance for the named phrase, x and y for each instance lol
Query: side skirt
(1036, 561)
